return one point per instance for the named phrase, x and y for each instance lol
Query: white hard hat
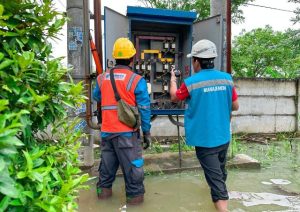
(204, 49)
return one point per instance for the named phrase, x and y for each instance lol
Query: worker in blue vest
(210, 97)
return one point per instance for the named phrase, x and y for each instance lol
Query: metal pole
(179, 144)
(98, 37)
(228, 36)
(98, 29)
(87, 64)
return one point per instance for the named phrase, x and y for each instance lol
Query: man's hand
(147, 140)
(173, 85)
(173, 76)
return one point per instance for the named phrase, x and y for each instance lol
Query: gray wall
(266, 106)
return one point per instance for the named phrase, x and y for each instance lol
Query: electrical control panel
(156, 54)
(162, 39)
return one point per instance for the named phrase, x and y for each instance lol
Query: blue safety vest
(208, 108)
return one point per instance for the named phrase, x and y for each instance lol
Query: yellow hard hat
(123, 49)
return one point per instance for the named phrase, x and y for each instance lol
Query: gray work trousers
(124, 151)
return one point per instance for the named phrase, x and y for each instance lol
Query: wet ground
(275, 187)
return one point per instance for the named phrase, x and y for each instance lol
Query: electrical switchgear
(162, 39)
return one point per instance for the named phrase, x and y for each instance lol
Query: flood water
(275, 187)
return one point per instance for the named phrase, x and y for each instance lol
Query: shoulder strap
(113, 83)
(100, 79)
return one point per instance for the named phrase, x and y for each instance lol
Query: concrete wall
(266, 106)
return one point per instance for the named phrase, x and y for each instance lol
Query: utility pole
(228, 36)
(221, 7)
(217, 7)
(79, 60)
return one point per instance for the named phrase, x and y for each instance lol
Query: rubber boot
(104, 193)
(135, 200)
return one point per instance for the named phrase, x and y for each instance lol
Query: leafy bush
(264, 52)
(38, 146)
(202, 7)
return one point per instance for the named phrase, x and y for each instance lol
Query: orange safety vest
(126, 82)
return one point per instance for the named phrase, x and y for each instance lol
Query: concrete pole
(218, 7)
(78, 51)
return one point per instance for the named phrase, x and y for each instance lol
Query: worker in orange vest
(121, 144)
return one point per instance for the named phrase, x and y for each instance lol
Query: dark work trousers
(120, 150)
(213, 161)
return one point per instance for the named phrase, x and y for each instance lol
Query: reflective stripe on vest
(207, 83)
(126, 82)
(207, 116)
(111, 107)
(130, 81)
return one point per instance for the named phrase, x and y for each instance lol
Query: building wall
(266, 106)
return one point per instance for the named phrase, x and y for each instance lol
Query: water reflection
(253, 199)
(276, 187)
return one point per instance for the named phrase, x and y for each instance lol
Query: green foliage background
(38, 144)
(264, 52)
(202, 7)
(296, 19)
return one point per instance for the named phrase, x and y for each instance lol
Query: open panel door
(115, 26)
(211, 29)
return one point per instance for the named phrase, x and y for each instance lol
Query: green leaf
(5, 87)
(25, 100)
(54, 200)
(16, 202)
(1, 9)
(37, 153)
(37, 176)
(20, 43)
(50, 160)
(9, 34)
(10, 141)
(21, 175)
(38, 162)
(29, 164)
(25, 59)
(8, 150)
(2, 164)
(1, 56)
(28, 194)
(3, 104)
(8, 132)
(4, 203)
(43, 206)
(6, 63)
(7, 187)
(68, 103)
(41, 98)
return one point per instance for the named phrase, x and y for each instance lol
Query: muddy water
(276, 187)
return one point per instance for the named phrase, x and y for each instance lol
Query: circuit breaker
(162, 39)
(156, 54)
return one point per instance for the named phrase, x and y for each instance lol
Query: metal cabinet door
(116, 25)
(211, 29)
